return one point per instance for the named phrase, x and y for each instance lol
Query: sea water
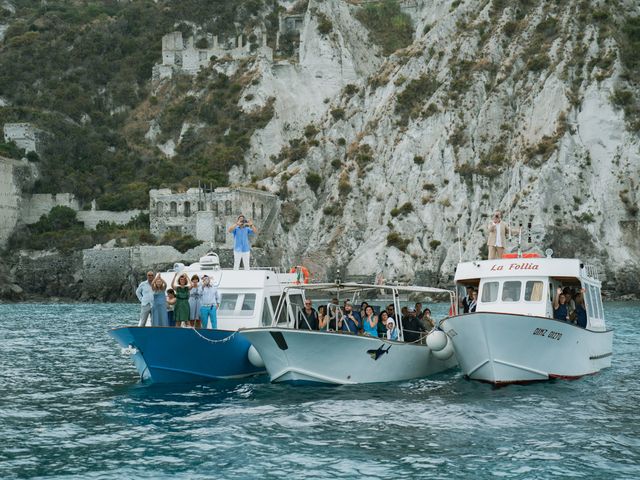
(72, 406)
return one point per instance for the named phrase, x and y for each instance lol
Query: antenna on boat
(520, 241)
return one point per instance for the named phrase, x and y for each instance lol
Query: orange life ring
(524, 255)
(301, 269)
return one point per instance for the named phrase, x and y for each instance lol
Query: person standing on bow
(210, 298)
(144, 292)
(497, 236)
(181, 309)
(241, 230)
(159, 316)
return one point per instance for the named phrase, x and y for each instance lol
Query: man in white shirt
(210, 303)
(144, 292)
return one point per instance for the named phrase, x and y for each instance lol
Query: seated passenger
(307, 317)
(323, 318)
(363, 309)
(464, 302)
(411, 327)
(392, 331)
(581, 311)
(473, 303)
(382, 324)
(426, 322)
(391, 310)
(350, 321)
(370, 322)
(571, 304)
(560, 310)
(333, 315)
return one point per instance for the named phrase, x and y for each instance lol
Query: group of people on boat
(367, 320)
(569, 305)
(189, 302)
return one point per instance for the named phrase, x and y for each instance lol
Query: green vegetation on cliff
(389, 26)
(81, 71)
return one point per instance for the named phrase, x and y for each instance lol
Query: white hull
(508, 348)
(326, 357)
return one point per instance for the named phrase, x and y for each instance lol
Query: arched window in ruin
(261, 211)
(227, 207)
(159, 208)
(201, 206)
(214, 207)
(187, 209)
(253, 210)
(173, 209)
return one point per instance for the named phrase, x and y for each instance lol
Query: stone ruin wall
(207, 215)
(15, 176)
(24, 135)
(184, 56)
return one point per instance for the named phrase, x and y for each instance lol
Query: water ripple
(72, 407)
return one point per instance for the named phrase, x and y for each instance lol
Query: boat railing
(591, 271)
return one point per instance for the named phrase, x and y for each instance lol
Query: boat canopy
(356, 287)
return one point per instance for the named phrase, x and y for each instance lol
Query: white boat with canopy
(291, 354)
(515, 334)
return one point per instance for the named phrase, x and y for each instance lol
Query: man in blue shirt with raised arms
(241, 230)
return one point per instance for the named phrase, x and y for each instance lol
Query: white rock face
(544, 144)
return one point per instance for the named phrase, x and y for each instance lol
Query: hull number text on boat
(515, 266)
(542, 332)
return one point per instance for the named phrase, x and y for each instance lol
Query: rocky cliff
(391, 146)
(494, 105)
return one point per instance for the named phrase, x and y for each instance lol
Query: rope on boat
(222, 340)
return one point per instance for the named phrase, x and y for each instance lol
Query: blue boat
(249, 298)
(177, 355)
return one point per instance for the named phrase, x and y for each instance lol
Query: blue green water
(71, 406)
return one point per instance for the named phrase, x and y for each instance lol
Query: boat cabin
(527, 286)
(248, 297)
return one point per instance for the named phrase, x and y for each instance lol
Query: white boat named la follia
(523, 328)
(294, 354)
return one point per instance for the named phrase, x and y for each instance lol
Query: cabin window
(599, 300)
(589, 301)
(511, 291)
(282, 318)
(297, 303)
(240, 304)
(593, 297)
(489, 292)
(248, 304)
(228, 303)
(533, 291)
(267, 316)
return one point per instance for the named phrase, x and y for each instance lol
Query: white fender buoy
(446, 352)
(437, 340)
(254, 357)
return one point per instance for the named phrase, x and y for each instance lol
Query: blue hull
(182, 355)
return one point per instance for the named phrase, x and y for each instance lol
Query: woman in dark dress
(181, 311)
